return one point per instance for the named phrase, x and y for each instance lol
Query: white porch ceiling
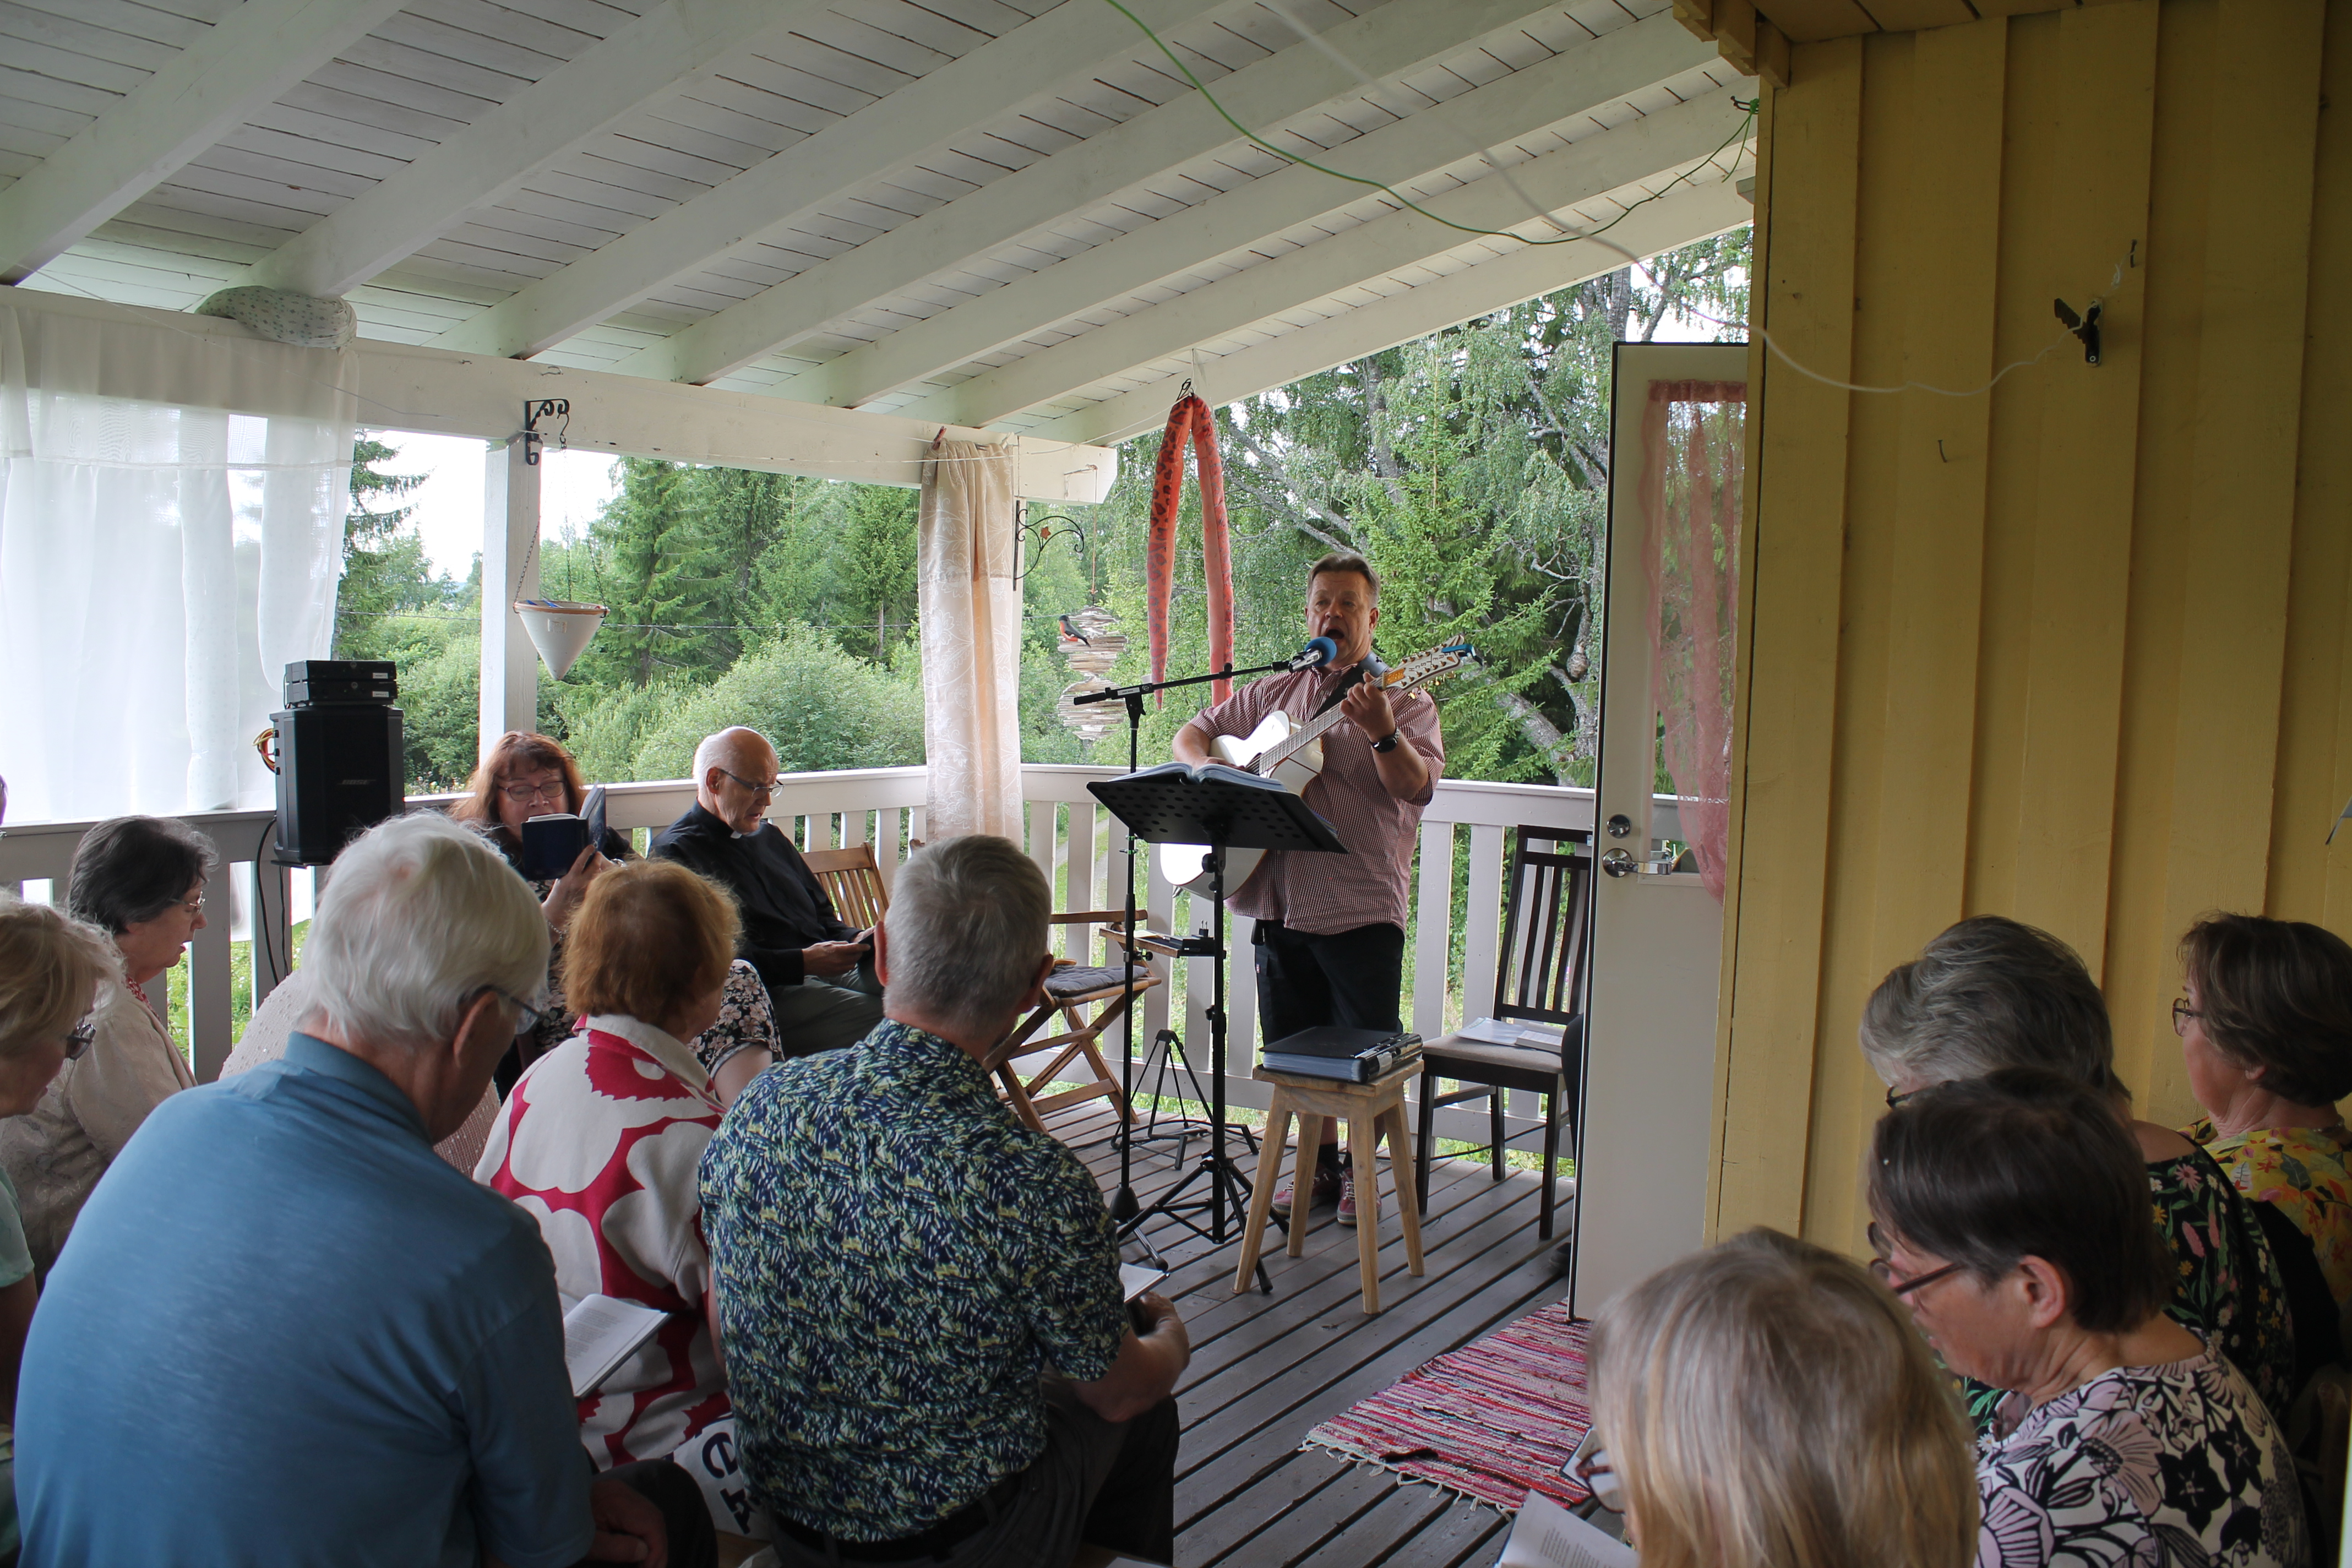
(1012, 214)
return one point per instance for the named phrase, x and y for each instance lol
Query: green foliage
(822, 706)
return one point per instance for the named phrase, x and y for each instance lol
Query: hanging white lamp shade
(560, 630)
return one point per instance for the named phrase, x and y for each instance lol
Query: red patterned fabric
(1190, 418)
(1494, 1420)
(600, 1143)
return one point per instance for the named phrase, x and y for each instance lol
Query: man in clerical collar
(819, 971)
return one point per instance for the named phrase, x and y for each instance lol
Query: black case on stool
(342, 768)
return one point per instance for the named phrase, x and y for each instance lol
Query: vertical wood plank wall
(2075, 650)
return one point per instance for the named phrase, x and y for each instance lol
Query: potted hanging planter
(560, 628)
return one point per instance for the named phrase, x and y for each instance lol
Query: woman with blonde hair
(1766, 1404)
(600, 1142)
(50, 970)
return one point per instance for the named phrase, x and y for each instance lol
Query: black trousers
(1353, 978)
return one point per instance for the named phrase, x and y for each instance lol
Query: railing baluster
(210, 1022)
(1434, 928)
(1080, 870)
(1485, 918)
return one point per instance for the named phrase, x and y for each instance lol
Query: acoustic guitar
(1291, 754)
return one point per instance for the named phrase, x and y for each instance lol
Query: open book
(1547, 1535)
(600, 1332)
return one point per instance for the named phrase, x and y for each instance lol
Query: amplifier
(340, 770)
(312, 682)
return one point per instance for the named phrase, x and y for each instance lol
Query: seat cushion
(1066, 985)
(1455, 1050)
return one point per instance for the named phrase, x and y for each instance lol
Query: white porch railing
(1072, 839)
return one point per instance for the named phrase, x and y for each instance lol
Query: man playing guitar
(1330, 928)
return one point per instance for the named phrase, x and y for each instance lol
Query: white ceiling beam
(917, 121)
(1576, 174)
(252, 55)
(1601, 72)
(1695, 212)
(403, 386)
(1393, 39)
(659, 55)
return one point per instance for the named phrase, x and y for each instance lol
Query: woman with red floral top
(600, 1143)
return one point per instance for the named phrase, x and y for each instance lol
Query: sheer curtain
(172, 506)
(969, 600)
(1696, 436)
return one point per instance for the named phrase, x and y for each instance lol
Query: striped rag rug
(1489, 1420)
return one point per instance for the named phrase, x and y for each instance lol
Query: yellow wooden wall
(2074, 651)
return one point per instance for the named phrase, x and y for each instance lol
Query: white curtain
(969, 603)
(171, 505)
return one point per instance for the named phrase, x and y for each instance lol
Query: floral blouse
(2230, 1291)
(2179, 1465)
(2307, 1173)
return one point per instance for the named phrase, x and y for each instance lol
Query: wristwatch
(1387, 742)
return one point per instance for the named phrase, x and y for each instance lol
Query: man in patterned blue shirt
(926, 1341)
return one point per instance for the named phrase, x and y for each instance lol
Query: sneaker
(1328, 1187)
(1347, 1214)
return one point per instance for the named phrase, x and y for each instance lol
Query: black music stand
(1223, 808)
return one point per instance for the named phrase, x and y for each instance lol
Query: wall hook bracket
(2085, 326)
(535, 409)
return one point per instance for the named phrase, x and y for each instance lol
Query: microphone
(1321, 651)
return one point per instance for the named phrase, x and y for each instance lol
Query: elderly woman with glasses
(600, 1142)
(1765, 1406)
(2266, 1034)
(527, 775)
(1990, 994)
(2010, 1214)
(140, 880)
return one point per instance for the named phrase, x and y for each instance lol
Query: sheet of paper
(1493, 1031)
(1134, 1279)
(1548, 1536)
(600, 1332)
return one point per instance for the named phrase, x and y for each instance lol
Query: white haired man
(900, 1259)
(819, 970)
(287, 1331)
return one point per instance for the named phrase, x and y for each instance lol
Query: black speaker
(341, 770)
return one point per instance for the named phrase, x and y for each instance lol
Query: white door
(1649, 1075)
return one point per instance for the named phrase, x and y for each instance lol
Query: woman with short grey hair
(1992, 993)
(140, 881)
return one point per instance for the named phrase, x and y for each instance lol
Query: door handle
(1617, 863)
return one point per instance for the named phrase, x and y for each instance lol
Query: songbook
(1547, 1535)
(600, 1332)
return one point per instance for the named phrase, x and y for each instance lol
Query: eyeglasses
(1883, 1272)
(2181, 1013)
(194, 906)
(1896, 1096)
(527, 1017)
(78, 1037)
(523, 795)
(759, 791)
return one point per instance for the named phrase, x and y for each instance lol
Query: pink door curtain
(1694, 436)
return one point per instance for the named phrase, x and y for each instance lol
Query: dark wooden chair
(1547, 931)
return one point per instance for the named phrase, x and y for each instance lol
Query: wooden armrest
(1088, 917)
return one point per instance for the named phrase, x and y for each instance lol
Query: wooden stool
(1369, 1109)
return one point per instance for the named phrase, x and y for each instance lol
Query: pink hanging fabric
(1190, 418)
(1694, 436)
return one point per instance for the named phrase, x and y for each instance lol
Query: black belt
(936, 1542)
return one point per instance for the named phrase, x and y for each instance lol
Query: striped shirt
(1326, 894)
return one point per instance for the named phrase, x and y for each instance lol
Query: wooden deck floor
(1265, 1370)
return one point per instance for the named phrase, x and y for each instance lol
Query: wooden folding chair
(853, 882)
(1545, 936)
(1070, 990)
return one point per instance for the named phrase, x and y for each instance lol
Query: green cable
(1738, 135)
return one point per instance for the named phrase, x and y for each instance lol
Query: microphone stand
(1123, 1205)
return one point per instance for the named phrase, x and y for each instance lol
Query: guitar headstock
(1434, 665)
